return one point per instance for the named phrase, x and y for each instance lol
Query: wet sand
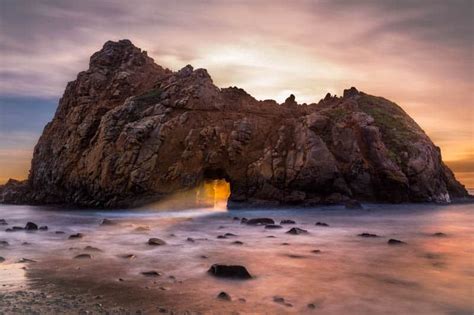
(350, 274)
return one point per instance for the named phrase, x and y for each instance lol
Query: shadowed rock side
(127, 131)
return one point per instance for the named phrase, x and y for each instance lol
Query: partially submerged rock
(365, 234)
(108, 222)
(322, 224)
(229, 271)
(393, 241)
(273, 226)
(287, 221)
(297, 231)
(151, 273)
(224, 296)
(156, 241)
(30, 226)
(3, 222)
(260, 221)
(76, 236)
(83, 256)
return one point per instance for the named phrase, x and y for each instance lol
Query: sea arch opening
(214, 190)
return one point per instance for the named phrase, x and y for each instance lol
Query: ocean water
(349, 275)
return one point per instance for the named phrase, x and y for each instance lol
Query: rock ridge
(127, 130)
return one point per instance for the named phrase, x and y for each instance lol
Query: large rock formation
(127, 130)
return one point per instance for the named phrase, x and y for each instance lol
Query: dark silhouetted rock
(311, 306)
(76, 236)
(287, 222)
(156, 242)
(4, 243)
(151, 273)
(230, 235)
(3, 222)
(367, 235)
(439, 234)
(43, 228)
(59, 232)
(243, 220)
(297, 231)
(393, 241)
(2, 259)
(237, 243)
(260, 221)
(221, 236)
(321, 224)
(273, 226)
(83, 256)
(190, 239)
(30, 226)
(224, 296)
(229, 271)
(316, 251)
(127, 130)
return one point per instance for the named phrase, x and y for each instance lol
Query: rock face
(127, 130)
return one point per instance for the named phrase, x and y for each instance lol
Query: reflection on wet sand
(329, 270)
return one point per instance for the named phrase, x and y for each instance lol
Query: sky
(416, 53)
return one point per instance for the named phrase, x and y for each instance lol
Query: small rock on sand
(316, 251)
(151, 273)
(83, 256)
(76, 236)
(297, 231)
(260, 221)
(156, 241)
(393, 241)
(229, 271)
(367, 235)
(224, 296)
(229, 235)
(237, 243)
(439, 234)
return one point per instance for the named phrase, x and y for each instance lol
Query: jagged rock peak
(351, 92)
(119, 54)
